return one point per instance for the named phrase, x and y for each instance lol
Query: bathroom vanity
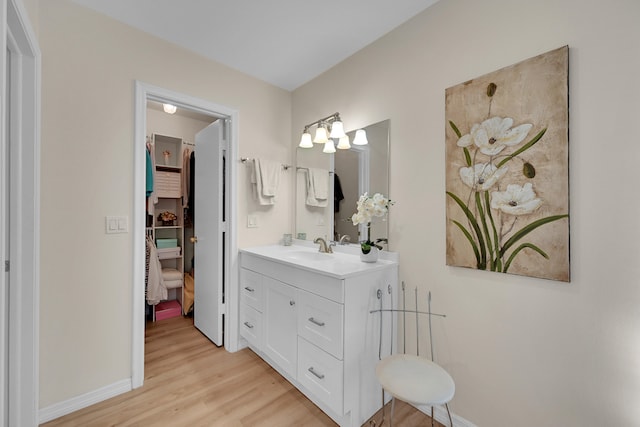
(308, 314)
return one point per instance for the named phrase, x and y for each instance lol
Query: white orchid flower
(494, 135)
(516, 200)
(482, 176)
(369, 207)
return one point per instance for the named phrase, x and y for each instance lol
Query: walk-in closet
(170, 210)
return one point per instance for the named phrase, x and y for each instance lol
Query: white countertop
(342, 263)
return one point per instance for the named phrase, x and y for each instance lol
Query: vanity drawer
(251, 325)
(320, 322)
(321, 374)
(251, 288)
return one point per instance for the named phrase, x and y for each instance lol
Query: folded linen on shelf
(171, 274)
(172, 284)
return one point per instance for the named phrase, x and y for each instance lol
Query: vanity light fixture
(328, 129)
(305, 141)
(329, 147)
(168, 108)
(343, 143)
(321, 134)
(360, 138)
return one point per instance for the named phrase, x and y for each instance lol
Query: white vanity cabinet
(316, 329)
(279, 320)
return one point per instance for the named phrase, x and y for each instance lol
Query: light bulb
(321, 135)
(305, 141)
(361, 137)
(337, 129)
(168, 108)
(329, 147)
(343, 143)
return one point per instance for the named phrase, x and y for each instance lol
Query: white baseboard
(440, 414)
(76, 403)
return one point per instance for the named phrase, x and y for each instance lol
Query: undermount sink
(308, 256)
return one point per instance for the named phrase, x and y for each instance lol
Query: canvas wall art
(507, 169)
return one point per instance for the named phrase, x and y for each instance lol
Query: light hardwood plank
(191, 382)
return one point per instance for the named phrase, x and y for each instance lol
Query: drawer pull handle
(248, 325)
(316, 322)
(248, 289)
(319, 376)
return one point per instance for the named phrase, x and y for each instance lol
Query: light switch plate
(116, 224)
(252, 221)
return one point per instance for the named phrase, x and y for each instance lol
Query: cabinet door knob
(194, 239)
(292, 302)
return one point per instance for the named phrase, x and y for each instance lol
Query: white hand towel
(317, 187)
(270, 174)
(256, 185)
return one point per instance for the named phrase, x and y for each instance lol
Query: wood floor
(191, 382)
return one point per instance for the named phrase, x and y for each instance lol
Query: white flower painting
(507, 180)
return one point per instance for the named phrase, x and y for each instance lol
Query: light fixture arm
(330, 118)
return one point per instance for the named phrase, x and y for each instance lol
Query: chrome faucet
(324, 248)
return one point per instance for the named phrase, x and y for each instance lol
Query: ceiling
(283, 42)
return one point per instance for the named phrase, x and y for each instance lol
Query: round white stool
(415, 380)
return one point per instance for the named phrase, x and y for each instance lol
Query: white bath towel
(256, 185)
(270, 174)
(317, 187)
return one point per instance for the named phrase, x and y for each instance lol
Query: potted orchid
(369, 207)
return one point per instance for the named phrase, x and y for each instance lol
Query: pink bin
(168, 309)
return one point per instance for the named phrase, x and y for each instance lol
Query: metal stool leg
(393, 406)
(449, 413)
(432, 418)
(383, 409)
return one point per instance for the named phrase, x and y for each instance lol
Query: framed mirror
(349, 173)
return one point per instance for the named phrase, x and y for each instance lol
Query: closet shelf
(168, 168)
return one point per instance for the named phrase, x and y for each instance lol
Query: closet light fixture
(328, 129)
(168, 108)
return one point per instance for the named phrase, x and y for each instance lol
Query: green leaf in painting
(467, 156)
(470, 239)
(518, 249)
(474, 223)
(455, 128)
(523, 148)
(528, 229)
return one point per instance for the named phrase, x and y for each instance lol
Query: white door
(209, 226)
(5, 210)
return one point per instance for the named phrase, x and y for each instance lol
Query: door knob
(194, 239)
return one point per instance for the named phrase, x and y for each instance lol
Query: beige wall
(523, 351)
(89, 65)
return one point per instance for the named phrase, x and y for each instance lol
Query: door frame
(20, 407)
(144, 92)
